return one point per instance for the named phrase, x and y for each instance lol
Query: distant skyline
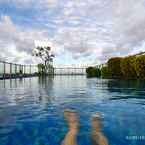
(79, 31)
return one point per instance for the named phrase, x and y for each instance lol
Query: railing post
(21, 69)
(4, 69)
(24, 70)
(15, 69)
(30, 69)
(19, 66)
(11, 69)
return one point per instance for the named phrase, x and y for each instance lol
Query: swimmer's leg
(97, 135)
(72, 119)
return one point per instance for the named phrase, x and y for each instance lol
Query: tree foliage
(105, 72)
(46, 56)
(41, 68)
(93, 72)
(128, 67)
(44, 53)
(114, 67)
(140, 66)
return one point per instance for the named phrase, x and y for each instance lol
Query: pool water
(31, 109)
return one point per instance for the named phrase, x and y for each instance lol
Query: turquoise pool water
(31, 110)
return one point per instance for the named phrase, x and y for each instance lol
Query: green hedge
(114, 67)
(93, 72)
(128, 67)
(131, 67)
(140, 66)
(105, 72)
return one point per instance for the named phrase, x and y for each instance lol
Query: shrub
(105, 72)
(140, 66)
(93, 72)
(98, 72)
(128, 67)
(114, 67)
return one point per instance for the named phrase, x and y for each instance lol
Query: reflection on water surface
(31, 109)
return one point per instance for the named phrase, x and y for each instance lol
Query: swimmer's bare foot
(71, 117)
(97, 135)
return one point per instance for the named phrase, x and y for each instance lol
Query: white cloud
(16, 43)
(116, 27)
(84, 28)
(30, 3)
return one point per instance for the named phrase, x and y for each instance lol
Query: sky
(80, 32)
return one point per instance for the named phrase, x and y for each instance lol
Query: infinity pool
(31, 109)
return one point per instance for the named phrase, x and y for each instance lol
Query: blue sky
(80, 32)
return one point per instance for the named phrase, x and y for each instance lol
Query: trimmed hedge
(105, 72)
(114, 67)
(93, 72)
(128, 67)
(140, 66)
(131, 67)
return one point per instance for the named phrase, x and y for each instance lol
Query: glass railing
(13, 70)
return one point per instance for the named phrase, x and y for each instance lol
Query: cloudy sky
(79, 31)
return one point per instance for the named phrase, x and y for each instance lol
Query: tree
(114, 67)
(93, 72)
(41, 68)
(140, 66)
(46, 56)
(128, 67)
(105, 74)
